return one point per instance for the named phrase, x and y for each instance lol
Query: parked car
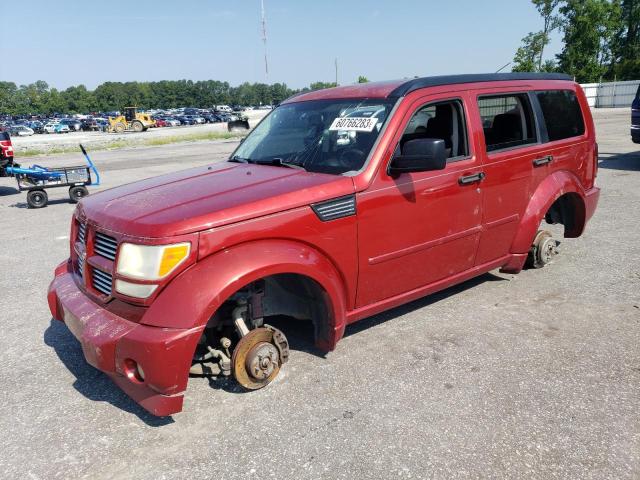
(73, 124)
(56, 127)
(185, 119)
(635, 118)
(434, 181)
(36, 125)
(160, 122)
(89, 124)
(172, 122)
(20, 131)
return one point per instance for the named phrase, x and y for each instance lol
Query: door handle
(467, 179)
(538, 162)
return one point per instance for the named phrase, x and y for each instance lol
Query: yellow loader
(131, 121)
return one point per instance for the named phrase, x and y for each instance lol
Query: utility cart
(35, 180)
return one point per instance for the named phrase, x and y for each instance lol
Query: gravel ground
(533, 376)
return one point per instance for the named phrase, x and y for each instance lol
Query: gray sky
(74, 42)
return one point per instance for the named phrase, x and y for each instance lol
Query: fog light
(137, 290)
(133, 370)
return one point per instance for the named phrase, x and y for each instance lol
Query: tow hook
(543, 250)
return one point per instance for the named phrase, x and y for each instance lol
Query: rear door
(417, 228)
(508, 144)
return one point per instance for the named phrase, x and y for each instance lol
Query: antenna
(264, 40)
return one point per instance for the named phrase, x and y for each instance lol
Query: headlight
(151, 262)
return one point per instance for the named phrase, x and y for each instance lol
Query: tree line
(40, 98)
(601, 40)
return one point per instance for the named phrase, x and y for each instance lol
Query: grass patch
(191, 138)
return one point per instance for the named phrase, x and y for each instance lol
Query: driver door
(418, 228)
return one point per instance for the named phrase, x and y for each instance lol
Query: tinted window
(507, 121)
(562, 114)
(443, 120)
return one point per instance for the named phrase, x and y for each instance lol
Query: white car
(20, 131)
(56, 127)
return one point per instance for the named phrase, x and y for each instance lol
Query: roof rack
(416, 83)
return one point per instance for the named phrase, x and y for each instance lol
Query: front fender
(549, 190)
(194, 296)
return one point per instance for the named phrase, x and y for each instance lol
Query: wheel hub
(547, 250)
(262, 360)
(258, 356)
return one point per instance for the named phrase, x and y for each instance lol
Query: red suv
(340, 204)
(6, 152)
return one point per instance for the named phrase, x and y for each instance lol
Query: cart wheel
(77, 193)
(37, 198)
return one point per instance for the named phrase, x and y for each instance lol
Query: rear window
(507, 121)
(562, 114)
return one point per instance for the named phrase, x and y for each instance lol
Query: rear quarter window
(562, 114)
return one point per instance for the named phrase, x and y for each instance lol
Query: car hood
(207, 197)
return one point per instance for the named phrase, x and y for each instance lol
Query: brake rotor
(544, 249)
(258, 356)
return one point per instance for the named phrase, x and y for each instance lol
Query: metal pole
(336, 62)
(264, 40)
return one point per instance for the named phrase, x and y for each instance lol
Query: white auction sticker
(354, 124)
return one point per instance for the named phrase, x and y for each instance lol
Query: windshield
(325, 136)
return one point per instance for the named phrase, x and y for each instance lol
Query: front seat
(441, 126)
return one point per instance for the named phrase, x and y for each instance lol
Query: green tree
(527, 56)
(626, 44)
(363, 79)
(548, 11)
(588, 30)
(321, 85)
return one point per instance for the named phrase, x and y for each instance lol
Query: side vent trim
(336, 208)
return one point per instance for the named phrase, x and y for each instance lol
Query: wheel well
(285, 295)
(568, 210)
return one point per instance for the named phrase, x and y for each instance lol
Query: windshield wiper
(278, 162)
(238, 159)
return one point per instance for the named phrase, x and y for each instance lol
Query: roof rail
(416, 83)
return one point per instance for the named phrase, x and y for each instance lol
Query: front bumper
(110, 343)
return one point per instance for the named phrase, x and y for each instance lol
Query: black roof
(416, 83)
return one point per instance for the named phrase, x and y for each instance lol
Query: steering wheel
(351, 158)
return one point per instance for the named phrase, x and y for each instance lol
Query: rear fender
(549, 190)
(192, 298)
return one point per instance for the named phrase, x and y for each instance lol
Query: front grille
(105, 246)
(102, 281)
(82, 232)
(81, 266)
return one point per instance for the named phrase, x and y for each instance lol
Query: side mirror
(419, 155)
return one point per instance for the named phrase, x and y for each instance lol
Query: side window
(507, 121)
(562, 114)
(444, 120)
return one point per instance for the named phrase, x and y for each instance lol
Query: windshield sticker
(354, 124)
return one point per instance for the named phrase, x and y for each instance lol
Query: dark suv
(635, 118)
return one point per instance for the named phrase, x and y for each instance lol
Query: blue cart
(36, 179)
